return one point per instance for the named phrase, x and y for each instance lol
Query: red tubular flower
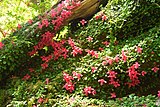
(112, 74)
(71, 42)
(89, 90)
(76, 50)
(124, 57)
(113, 82)
(44, 65)
(116, 59)
(110, 61)
(143, 73)
(136, 65)
(40, 100)
(77, 75)
(69, 86)
(30, 21)
(47, 81)
(34, 106)
(93, 53)
(53, 13)
(90, 39)
(101, 49)
(155, 69)
(26, 77)
(31, 70)
(158, 94)
(19, 26)
(104, 63)
(104, 17)
(83, 22)
(45, 22)
(102, 81)
(67, 77)
(97, 17)
(93, 69)
(138, 49)
(106, 43)
(40, 25)
(113, 95)
(1, 45)
(133, 75)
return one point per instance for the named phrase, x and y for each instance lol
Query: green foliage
(23, 96)
(125, 26)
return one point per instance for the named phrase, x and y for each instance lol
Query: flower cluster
(56, 19)
(69, 85)
(89, 90)
(101, 16)
(75, 49)
(133, 74)
(112, 77)
(92, 53)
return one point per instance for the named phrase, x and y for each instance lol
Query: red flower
(113, 95)
(31, 70)
(106, 43)
(158, 94)
(1, 45)
(69, 86)
(124, 57)
(67, 77)
(26, 77)
(76, 50)
(104, 17)
(143, 73)
(34, 106)
(45, 22)
(90, 39)
(112, 74)
(110, 61)
(97, 17)
(53, 13)
(89, 90)
(93, 69)
(30, 21)
(19, 26)
(40, 25)
(40, 100)
(71, 42)
(83, 22)
(138, 49)
(47, 81)
(104, 63)
(113, 82)
(155, 69)
(136, 65)
(102, 81)
(78, 75)
(101, 49)
(93, 53)
(44, 65)
(116, 59)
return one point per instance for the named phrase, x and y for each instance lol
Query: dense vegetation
(100, 63)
